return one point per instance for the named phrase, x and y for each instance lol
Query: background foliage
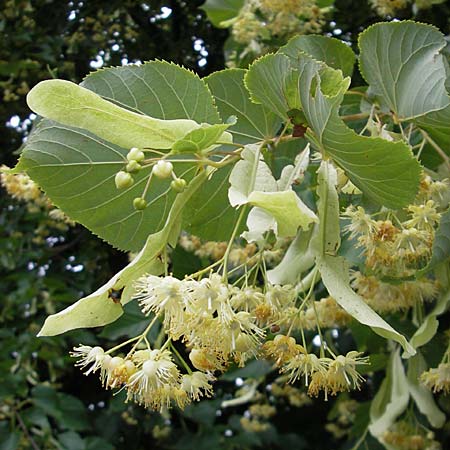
(45, 265)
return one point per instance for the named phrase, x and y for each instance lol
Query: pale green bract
(278, 207)
(202, 139)
(76, 106)
(391, 399)
(335, 277)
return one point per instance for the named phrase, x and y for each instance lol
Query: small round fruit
(162, 169)
(139, 203)
(133, 166)
(136, 155)
(178, 185)
(123, 180)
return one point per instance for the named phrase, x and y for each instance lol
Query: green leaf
(402, 64)
(328, 239)
(286, 207)
(335, 277)
(385, 171)
(219, 11)
(208, 214)
(272, 83)
(333, 52)
(255, 123)
(391, 399)
(76, 169)
(437, 125)
(157, 89)
(131, 323)
(73, 105)
(429, 326)
(422, 396)
(201, 139)
(71, 441)
(100, 308)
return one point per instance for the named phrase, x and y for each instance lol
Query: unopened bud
(139, 203)
(136, 155)
(162, 169)
(178, 185)
(133, 166)
(123, 180)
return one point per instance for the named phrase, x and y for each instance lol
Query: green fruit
(139, 203)
(136, 155)
(162, 169)
(133, 166)
(178, 185)
(123, 180)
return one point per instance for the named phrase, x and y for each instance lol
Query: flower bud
(178, 185)
(163, 169)
(139, 203)
(123, 180)
(133, 166)
(136, 155)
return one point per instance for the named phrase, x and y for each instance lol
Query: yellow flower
(305, 365)
(93, 356)
(154, 383)
(342, 374)
(197, 385)
(437, 379)
(424, 217)
(282, 349)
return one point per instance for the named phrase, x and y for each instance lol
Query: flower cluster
(437, 379)
(344, 418)
(325, 313)
(259, 21)
(330, 375)
(255, 418)
(213, 318)
(387, 298)
(150, 377)
(238, 256)
(386, 8)
(22, 188)
(404, 436)
(398, 250)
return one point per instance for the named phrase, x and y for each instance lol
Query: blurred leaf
(219, 11)
(422, 396)
(253, 369)
(71, 441)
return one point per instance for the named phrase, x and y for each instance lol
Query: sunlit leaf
(401, 63)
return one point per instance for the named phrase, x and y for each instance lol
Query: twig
(26, 432)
